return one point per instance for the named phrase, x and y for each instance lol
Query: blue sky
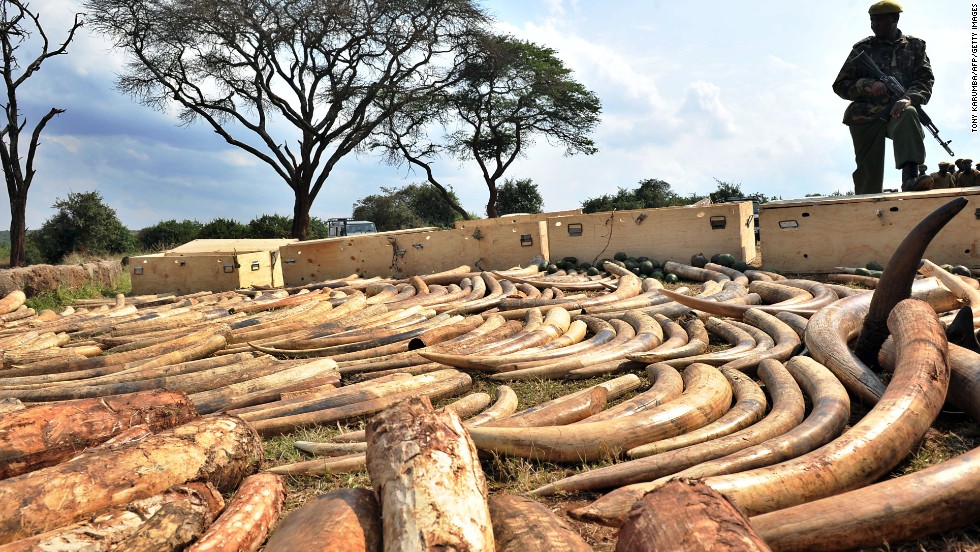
(738, 91)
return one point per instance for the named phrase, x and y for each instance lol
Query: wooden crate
(209, 265)
(666, 234)
(820, 233)
(408, 252)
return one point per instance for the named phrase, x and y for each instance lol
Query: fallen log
(46, 434)
(174, 526)
(345, 520)
(428, 478)
(686, 515)
(220, 450)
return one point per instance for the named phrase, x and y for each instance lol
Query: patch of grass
(949, 437)
(64, 296)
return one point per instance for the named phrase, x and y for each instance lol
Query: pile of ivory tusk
(742, 381)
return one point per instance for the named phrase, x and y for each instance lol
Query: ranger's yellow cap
(885, 6)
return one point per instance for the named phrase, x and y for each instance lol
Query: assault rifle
(896, 90)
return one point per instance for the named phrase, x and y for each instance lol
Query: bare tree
(506, 92)
(299, 84)
(18, 27)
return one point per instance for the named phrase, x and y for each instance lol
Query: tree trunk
(449, 200)
(44, 435)
(221, 450)
(345, 520)
(18, 228)
(425, 471)
(492, 202)
(301, 213)
(686, 515)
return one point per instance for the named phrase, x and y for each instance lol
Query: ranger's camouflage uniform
(867, 115)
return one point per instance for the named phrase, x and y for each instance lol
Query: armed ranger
(896, 91)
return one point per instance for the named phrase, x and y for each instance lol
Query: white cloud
(702, 106)
(238, 158)
(70, 143)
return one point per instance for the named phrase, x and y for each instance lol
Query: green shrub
(83, 224)
(270, 226)
(223, 229)
(168, 234)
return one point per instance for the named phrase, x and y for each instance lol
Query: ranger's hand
(878, 88)
(899, 107)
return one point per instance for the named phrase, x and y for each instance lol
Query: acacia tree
(325, 73)
(18, 23)
(507, 92)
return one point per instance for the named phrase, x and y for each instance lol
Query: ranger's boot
(913, 180)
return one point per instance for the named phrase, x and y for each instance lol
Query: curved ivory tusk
(939, 498)
(773, 293)
(539, 414)
(697, 343)
(831, 410)
(787, 342)
(787, 412)
(505, 404)
(667, 386)
(964, 376)
(741, 343)
(629, 286)
(832, 328)
(706, 397)
(872, 446)
(749, 408)
(694, 273)
(591, 285)
(953, 283)
(568, 344)
(732, 310)
(896, 281)
(795, 321)
(648, 336)
(736, 276)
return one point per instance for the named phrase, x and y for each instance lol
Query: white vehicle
(347, 227)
